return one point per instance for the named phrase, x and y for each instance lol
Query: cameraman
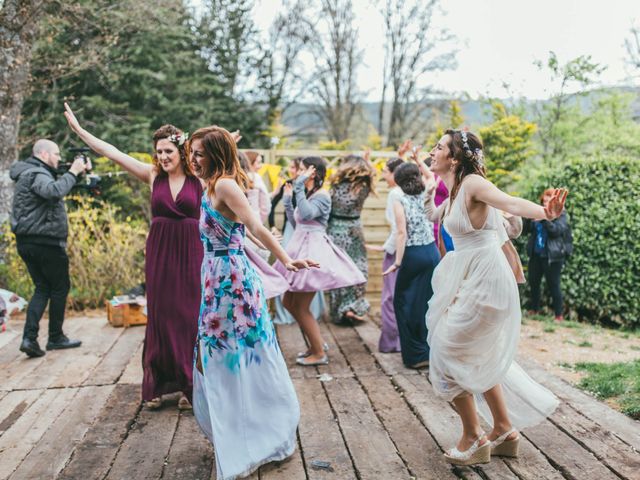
(39, 221)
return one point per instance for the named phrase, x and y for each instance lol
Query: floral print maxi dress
(244, 400)
(345, 229)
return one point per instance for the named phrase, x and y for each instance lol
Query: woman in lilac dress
(243, 400)
(310, 237)
(172, 264)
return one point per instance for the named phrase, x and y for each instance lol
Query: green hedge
(601, 281)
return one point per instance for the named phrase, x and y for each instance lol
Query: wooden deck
(76, 415)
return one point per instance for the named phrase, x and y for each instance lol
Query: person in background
(416, 258)
(310, 219)
(318, 305)
(389, 339)
(350, 187)
(550, 243)
(258, 195)
(39, 222)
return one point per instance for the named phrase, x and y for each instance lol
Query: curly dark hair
(393, 163)
(355, 170)
(165, 132)
(409, 178)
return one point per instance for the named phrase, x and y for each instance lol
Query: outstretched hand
(295, 265)
(553, 209)
(389, 270)
(71, 118)
(404, 148)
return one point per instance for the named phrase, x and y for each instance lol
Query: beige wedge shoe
(476, 454)
(501, 447)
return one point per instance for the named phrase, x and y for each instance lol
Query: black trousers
(410, 302)
(48, 267)
(539, 267)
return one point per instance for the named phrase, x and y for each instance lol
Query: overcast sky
(500, 39)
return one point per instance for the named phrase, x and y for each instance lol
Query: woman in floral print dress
(350, 187)
(243, 398)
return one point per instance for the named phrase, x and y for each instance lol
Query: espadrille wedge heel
(501, 447)
(476, 454)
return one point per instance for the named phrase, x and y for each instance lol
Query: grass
(585, 343)
(619, 382)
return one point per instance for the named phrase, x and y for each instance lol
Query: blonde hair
(357, 171)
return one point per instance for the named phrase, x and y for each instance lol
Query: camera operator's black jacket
(38, 214)
(559, 237)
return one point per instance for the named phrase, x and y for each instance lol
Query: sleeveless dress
(243, 400)
(413, 283)
(172, 271)
(474, 321)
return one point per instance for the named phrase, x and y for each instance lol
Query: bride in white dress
(474, 314)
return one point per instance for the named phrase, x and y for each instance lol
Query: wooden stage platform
(77, 414)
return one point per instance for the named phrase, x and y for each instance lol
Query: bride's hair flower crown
(179, 139)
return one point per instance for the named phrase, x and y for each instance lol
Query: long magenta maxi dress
(173, 259)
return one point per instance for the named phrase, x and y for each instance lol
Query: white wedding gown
(474, 321)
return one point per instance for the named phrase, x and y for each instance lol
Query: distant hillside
(305, 125)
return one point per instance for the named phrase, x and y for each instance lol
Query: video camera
(90, 181)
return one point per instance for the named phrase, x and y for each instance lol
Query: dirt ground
(558, 346)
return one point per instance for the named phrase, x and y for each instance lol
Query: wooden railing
(373, 220)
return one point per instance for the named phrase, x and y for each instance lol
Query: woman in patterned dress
(350, 187)
(416, 258)
(243, 398)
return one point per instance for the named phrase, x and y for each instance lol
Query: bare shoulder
(226, 186)
(474, 183)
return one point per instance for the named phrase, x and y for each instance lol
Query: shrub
(106, 254)
(600, 281)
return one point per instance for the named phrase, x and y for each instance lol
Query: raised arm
(237, 202)
(434, 214)
(482, 190)
(318, 206)
(140, 170)
(401, 236)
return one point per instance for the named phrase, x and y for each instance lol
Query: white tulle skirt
(474, 327)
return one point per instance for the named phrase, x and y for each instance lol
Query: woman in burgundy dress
(173, 258)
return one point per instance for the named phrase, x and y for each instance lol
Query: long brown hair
(221, 155)
(469, 156)
(357, 171)
(173, 134)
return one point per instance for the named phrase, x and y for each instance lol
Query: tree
(560, 120)
(413, 47)
(282, 81)
(334, 45)
(508, 144)
(18, 25)
(632, 44)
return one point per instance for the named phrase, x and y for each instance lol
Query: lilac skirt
(336, 270)
(273, 283)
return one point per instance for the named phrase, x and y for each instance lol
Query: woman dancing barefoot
(474, 314)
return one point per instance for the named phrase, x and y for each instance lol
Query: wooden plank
(373, 452)
(80, 362)
(21, 368)
(292, 468)
(23, 435)
(609, 449)
(133, 371)
(114, 362)
(10, 336)
(623, 427)
(415, 445)
(443, 423)
(53, 450)
(95, 453)
(191, 454)
(14, 404)
(338, 367)
(291, 342)
(391, 363)
(567, 455)
(143, 452)
(320, 436)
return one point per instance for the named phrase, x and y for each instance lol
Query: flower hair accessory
(465, 144)
(179, 138)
